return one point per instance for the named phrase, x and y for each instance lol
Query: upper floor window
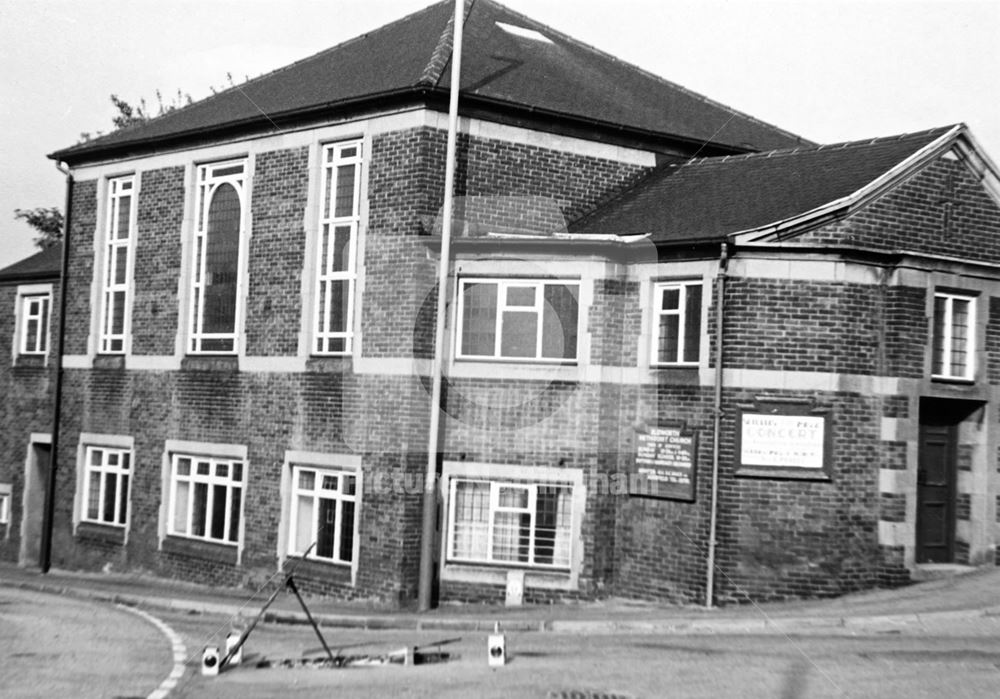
(216, 284)
(205, 498)
(34, 325)
(518, 319)
(337, 241)
(954, 336)
(677, 338)
(527, 524)
(324, 521)
(106, 485)
(118, 242)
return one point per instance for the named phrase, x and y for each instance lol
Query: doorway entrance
(36, 475)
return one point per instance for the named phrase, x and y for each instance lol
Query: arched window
(216, 278)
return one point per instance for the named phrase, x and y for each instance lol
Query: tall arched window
(216, 280)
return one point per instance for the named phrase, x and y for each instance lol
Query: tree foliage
(48, 222)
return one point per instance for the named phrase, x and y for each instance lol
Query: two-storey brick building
(686, 350)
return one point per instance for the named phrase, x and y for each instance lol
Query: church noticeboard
(665, 463)
(784, 441)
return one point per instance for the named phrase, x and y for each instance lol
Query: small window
(206, 498)
(4, 504)
(118, 243)
(954, 336)
(513, 319)
(216, 283)
(324, 514)
(519, 524)
(337, 244)
(35, 323)
(107, 474)
(677, 339)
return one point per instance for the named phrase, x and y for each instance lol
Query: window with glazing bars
(518, 319)
(35, 323)
(206, 497)
(339, 218)
(105, 487)
(677, 337)
(954, 336)
(324, 514)
(215, 279)
(521, 524)
(118, 243)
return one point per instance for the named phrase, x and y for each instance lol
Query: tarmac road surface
(58, 646)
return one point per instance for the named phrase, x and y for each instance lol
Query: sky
(829, 70)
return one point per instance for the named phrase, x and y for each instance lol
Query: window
(324, 514)
(338, 221)
(4, 504)
(35, 323)
(954, 336)
(215, 297)
(525, 524)
(518, 319)
(677, 338)
(119, 235)
(205, 498)
(105, 487)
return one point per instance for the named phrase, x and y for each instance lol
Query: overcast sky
(829, 70)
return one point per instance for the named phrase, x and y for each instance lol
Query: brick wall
(80, 271)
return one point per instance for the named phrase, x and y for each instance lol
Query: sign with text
(790, 439)
(665, 463)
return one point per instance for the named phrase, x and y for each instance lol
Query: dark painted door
(936, 494)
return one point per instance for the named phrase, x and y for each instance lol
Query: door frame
(35, 483)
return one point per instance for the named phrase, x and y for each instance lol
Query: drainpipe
(720, 290)
(48, 513)
(428, 533)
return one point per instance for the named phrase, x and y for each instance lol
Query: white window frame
(211, 479)
(36, 344)
(124, 469)
(116, 247)
(659, 289)
(333, 158)
(209, 178)
(503, 284)
(340, 496)
(495, 508)
(5, 500)
(947, 341)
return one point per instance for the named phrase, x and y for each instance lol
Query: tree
(47, 221)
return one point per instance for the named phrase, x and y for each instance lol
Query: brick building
(249, 335)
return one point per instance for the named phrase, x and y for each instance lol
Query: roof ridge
(276, 71)
(444, 49)
(650, 74)
(842, 145)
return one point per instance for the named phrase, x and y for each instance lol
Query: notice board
(666, 460)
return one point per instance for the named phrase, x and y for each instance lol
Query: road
(956, 659)
(56, 646)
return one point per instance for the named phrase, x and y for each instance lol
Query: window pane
(472, 506)
(940, 306)
(96, 456)
(521, 296)
(117, 313)
(349, 485)
(119, 265)
(183, 467)
(110, 493)
(559, 322)
(671, 299)
(234, 517)
(341, 248)
(326, 527)
(124, 209)
(344, 198)
(339, 296)
(204, 468)
(303, 523)
(479, 316)
(519, 334)
(511, 536)
(123, 501)
(222, 250)
(218, 524)
(959, 336)
(93, 495)
(669, 331)
(307, 480)
(692, 323)
(181, 508)
(237, 475)
(199, 510)
(347, 531)
(552, 523)
(513, 497)
(330, 483)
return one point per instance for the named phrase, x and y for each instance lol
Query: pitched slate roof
(710, 198)
(46, 264)
(555, 77)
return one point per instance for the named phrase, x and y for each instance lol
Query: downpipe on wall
(720, 293)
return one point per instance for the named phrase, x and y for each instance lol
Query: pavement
(969, 595)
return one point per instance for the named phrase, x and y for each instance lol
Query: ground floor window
(324, 514)
(205, 498)
(105, 486)
(4, 504)
(526, 524)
